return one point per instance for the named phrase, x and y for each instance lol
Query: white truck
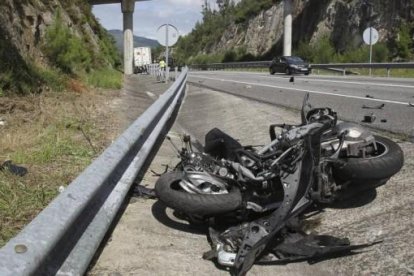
(142, 58)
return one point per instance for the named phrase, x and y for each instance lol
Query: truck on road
(142, 58)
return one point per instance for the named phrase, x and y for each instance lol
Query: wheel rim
(202, 183)
(382, 149)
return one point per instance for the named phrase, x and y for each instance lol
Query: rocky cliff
(23, 28)
(343, 21)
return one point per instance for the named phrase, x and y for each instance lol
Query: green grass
(53, 78)
(105, 78)
(19, 201)
(50, 145)
(55, 136)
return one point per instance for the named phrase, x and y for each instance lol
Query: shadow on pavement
(173, 220)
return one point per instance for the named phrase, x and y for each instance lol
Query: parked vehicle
(142, 59)
(289, 65)
(253, 198)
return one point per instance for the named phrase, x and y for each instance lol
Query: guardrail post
(344, 72)
(388, 72)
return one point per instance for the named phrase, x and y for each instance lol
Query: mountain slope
(138, 40)
(255, 30)
(40, 40)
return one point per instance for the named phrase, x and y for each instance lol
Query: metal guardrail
(231, 65)
(65, 236)
(341, 67)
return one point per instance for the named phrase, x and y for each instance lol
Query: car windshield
(294, 59)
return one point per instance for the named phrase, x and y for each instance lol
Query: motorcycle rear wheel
(385, 163)
(169, 192)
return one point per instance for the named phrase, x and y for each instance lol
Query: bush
(205, 59)
(230, 56)
(104, 78)
(247, 9)
(66, 50)
(323, 51)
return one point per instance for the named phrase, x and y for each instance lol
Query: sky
(149, 15)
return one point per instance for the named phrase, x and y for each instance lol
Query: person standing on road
(162, 69)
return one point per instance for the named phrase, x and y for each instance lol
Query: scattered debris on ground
(369, 118)
(14, 169)
(381, 106)
(142, 191)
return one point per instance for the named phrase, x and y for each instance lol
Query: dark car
(289, 65)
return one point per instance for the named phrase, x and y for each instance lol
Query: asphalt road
(347, 95)
(150, 240)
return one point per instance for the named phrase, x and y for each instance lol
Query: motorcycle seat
(221, 145)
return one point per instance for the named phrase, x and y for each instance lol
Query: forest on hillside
(196, 47)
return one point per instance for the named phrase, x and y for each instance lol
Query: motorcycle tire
(169, 192)
(382, 166)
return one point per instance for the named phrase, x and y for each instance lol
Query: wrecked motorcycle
(254, 197)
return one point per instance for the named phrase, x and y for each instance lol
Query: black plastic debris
(384, 121)
(295, 247)
(369, 96)
(292, 79)
(154, 173)
(369, 118)
(14, 169)
(145, 192)
(381, 106)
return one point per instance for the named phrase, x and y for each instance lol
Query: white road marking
(152, 95)
(352, 82)
(305, 90)
(335, 81)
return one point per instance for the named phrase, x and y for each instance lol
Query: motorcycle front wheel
(384, 163)
(169, 192)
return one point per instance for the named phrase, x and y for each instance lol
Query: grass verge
(55, 136)
(105, 78)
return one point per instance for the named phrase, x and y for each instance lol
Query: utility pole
(370, 36)
(287, 33)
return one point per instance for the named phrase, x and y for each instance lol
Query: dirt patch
(10, 106)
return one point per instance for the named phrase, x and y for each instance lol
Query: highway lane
(347, 95)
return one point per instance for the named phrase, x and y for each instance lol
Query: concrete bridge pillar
(128, 7)
(287, 32)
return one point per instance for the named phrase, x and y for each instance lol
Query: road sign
(167, 34)
(370, 36)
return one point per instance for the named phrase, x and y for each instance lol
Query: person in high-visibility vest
(162, 70)
(162, 64)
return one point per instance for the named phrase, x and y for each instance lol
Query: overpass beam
(128, 7)
(287, 32)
